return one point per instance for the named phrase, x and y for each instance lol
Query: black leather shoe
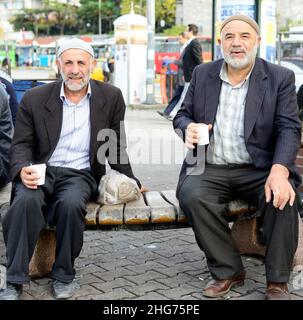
(12, 292)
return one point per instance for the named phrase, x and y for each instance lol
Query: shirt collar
(224, 77)
(190, 40)
(63, 97)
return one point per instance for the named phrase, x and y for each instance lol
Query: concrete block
(44, 254)
(92, 211)
(161, 211)
(136, 212)
(111, 214)
(170, 196)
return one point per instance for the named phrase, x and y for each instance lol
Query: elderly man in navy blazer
(250, 108)
(71, 125)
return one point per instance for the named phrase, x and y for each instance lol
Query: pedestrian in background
(180, 79)
(192, 57)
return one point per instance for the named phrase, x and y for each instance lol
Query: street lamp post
(150, 72)
(100, 19)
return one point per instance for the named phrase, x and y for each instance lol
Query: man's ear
(58, 64)
(94, 63)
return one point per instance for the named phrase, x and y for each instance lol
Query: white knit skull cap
(75, 44)
(244, 18)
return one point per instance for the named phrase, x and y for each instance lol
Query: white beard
(74, 86)
(240, 63)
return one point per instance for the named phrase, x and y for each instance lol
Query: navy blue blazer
(272, 130)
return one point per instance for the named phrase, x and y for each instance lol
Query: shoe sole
(233, 285)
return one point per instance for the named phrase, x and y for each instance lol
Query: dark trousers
(204, 197)
(59, 202)
(174, 100)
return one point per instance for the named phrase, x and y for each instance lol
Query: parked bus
(168, 48)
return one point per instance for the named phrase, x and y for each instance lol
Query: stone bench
(155, 210)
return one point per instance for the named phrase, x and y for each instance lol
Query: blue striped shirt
(72, 150)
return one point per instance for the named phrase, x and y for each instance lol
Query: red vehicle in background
(167, 48)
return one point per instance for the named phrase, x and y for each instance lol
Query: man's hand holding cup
(197, 133)
(33, 175)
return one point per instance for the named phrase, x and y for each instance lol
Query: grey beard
(74, 86)
(240, 63)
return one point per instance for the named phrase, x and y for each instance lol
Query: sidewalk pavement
(152, 264)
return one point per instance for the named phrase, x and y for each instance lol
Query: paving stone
(88, 279)
(116, 294)
(178, 292)
(199, 296)
(251, 296)
(248, 287)
(116, 273)
(85, 290)
(176, 281)
(151, 296)
(161, 210)
(111, 215)
(260, 269)
(91, 268)
(147, 276)
(149, 265)
(38, 292)
(189, 297)
(260, 279)
(170, 271)
(122, 262)
(198, 283)
(164, 261)
(26, 296)
(110, 285)
(298, 293)
(136, 212)
(146, 287)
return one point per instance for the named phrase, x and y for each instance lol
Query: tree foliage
(53, 18)
(88, 15)
(165, 11)
(62, 18)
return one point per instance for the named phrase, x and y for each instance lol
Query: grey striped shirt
(72, 150)
(227, 144)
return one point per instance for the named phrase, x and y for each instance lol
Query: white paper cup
(203, 134)
(40, 171)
